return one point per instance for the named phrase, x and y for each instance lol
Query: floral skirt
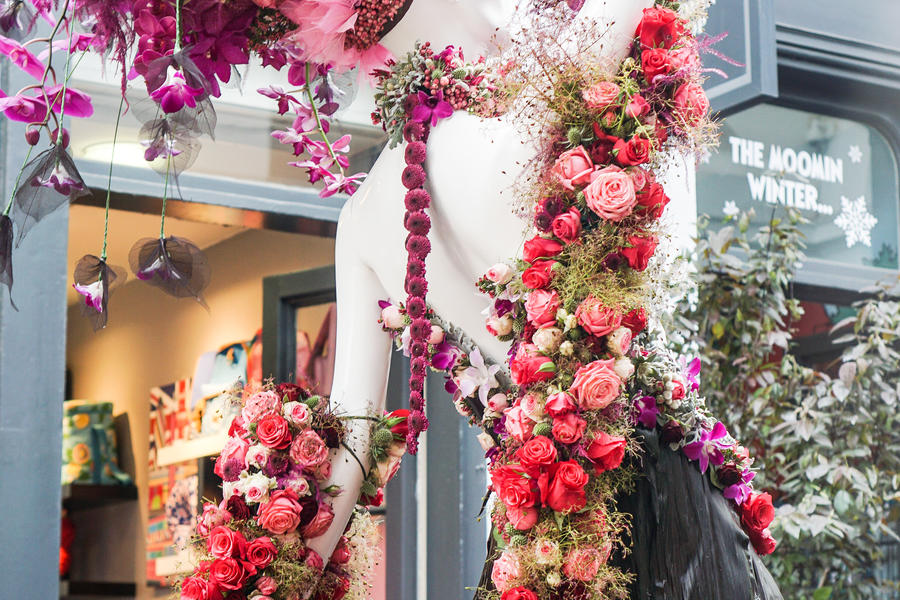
(686, 539)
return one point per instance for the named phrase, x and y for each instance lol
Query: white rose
(547, 339)
(553, 579)
(486, 441)
(255, 488)
(257, 455)
(392, 317)
(300, 485)
(566, 348)
(619, 341)
(499, 325)
(500, 273)
(570, 323)
(624, 368)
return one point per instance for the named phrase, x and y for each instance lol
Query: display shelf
(80, 496)
(207, 445)
(74, 589)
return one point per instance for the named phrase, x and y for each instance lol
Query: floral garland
(586, 373)
(274, 467)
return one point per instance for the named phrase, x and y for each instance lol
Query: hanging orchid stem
(177, 25)
(315, 111)
(162, 219)
(112, 158)
(65, 87)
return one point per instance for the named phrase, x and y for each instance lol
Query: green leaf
(547, 367)
(823, 593)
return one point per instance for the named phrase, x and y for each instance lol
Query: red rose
(261, 552)
(653, 199)
(522, 519)
(540, 247)
(401, 428)
(636, 320)
(273, 431)
(538, 275)
(290, 392)
(567, 226)
(655, 61)
(606, 451)
(637, 107)
(195, 588)
(635, 151)
(514, 488)
(225, 543)
(642, 248)
(568, 428)
(763, 542)
(281, 514)
(538, 452)
(602, 147)
(757, 512)
(526, 364)
(660, 27)
(519, 593)
(228, 573)
(566, 490)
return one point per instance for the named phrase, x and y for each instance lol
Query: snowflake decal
(855, 154)
(856, 221)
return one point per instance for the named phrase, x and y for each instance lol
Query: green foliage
(828, 449)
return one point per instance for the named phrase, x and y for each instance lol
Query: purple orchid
(93, 294)
(740, 491)
(175, 93)
(15, 18)
(94, 279)
(60, 180)
(502, 306)
(646, 411)
(77, 103)
(277, 93)
(444, 357)
(708, 449)
(25, 109)
(433, 108)
(22, 58)
(691, 372)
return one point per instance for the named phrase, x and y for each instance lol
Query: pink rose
(567, 226)
(266, 585)
(235, 450)
(518, 424)
(224, 543)
(611, 194)
(297, 413)
(308, 449)
(541, 307)
(228, 573)
(498, 402)
(322, 471)
(637, 107)
(546, 551)
(281, 514)
(568, 428)
(212, 517)
(386, 469)
(273, 431)
(500, 273)
(522, 519)
(619, 341)
(691, 103)
(596, 385)
(436, 336)
(505, 571)
(320, 523)
(583, 563)
(685, 57)
(641, 179)
(601, 96)
(257, 456)
(559, 404)
(597, 319)
(392, 318)
(313, 560)
(259, 404)
(573, 167)
(532, 405)
(195, 588)
(260, 553)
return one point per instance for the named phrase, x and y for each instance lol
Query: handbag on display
(89, 444)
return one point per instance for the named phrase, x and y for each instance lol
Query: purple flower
(740, 491)
(175, 93)
(77, 103)
(444, 357)
(692, 373)
(21, 57)
(25, 109)
(93, 294)
(646, 411)
(15, 18)
(433, 108)
(174, 265)
(94, 280)
(60, 180)
(502, 307)
(708, 449)
(277, 93)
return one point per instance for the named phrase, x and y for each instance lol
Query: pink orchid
(25, 109)
(78, 104)
(22, 58)
(433, 108)
(60, 180)
(275, 92)
(175, 93)
(80, 43)
(93, 294)
(740, 491)
(708, 449)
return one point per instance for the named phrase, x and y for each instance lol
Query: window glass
(841, 175)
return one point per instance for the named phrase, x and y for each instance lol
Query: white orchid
(478, 377)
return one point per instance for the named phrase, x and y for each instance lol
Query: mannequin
(472, 165)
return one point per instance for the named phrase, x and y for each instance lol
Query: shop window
(840, 175)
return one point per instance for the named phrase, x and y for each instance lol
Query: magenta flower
(277, 93)
(175, 93)
(692, 373)
(444, 357)
(646, 411)
(93, 294)
(60, 180)
(708, 449)
(15, 18)
(740, 491)
(94, 279)
(433, 108)
(21, 57)
(78, 104)
(25, 109)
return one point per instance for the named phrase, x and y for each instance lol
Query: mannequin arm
(361, 368)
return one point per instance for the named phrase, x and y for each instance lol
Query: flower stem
(18, 179)
(65, 87)
(315, 111)
(177, 26)
(112, 157)
(162, 219)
